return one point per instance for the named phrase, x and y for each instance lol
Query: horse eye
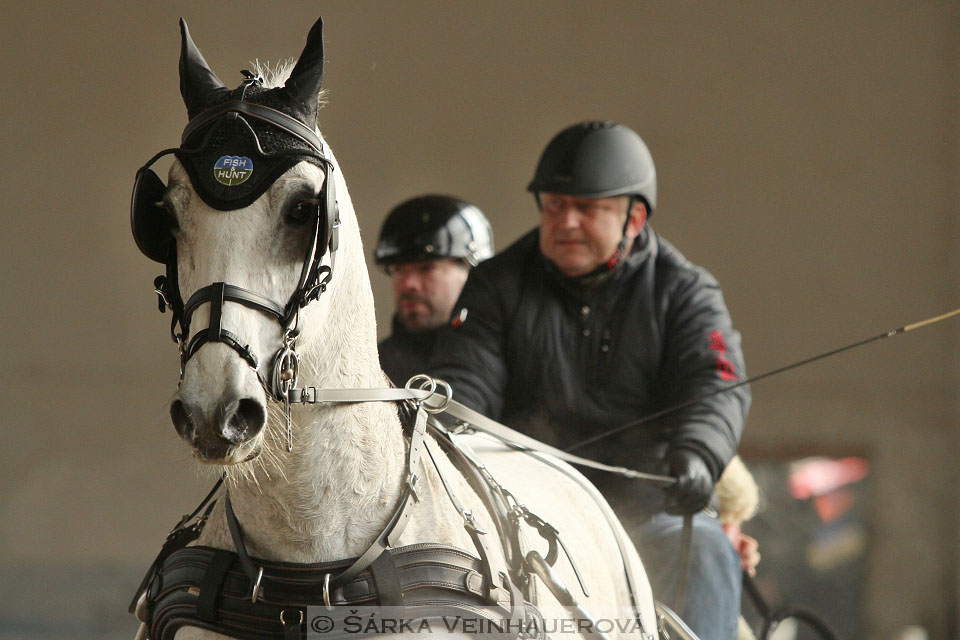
(302, 212)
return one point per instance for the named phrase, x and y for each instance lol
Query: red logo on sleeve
(719, 344)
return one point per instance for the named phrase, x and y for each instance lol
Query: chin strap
(617, 256)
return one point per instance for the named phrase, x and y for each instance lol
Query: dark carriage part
(772, 617)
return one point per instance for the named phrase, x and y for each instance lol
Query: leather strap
(263, 582)
(633, 581)
(217, 294)
(492, 494)
(228, 338)
(469, 523)
(387, 581)
(230, 293)
(492, 576)
(208, 601)
(683, 571)
(427, 574)
(237, 536)
(182, 534)
(260, 112)
(475, 420)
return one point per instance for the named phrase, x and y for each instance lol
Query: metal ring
(283, 611)
(326, 592)
(447, 396)
(256, 587)
(286, 359)
(418, 381)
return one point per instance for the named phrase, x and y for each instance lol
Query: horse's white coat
(330, 497)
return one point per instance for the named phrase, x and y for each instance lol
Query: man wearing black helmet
(592, 321)
(427, 246)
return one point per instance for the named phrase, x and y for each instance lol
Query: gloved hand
(694, 485)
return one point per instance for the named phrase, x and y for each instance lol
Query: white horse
(323, 488)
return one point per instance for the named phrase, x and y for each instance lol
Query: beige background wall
(808, 154)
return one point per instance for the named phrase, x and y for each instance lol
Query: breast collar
(232, 593)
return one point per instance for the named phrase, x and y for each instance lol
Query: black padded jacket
(404, 354)
(562, 359)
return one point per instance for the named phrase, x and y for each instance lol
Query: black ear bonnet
(232, 155)
(237, 144)
(241, 156)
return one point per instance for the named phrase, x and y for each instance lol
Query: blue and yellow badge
(233, 170)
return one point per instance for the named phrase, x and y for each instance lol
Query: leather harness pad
(206, 587)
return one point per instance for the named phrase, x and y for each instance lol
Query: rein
(466, 417)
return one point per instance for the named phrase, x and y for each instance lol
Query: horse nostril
(182, 421)
(246, 421)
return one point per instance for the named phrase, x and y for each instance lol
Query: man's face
(579, 234)
(425, 292)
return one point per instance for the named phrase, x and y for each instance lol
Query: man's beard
(419, 320)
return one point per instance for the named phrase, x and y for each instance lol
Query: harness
(151, 226)
(232, 593)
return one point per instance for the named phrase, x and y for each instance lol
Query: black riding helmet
(597, 160)
(432, 227)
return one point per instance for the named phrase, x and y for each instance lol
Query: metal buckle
(326, 592)
(162, 296)
(414, 482)
(460, 428)
(182, 347)
(472, 522)
(286, 375)
(256, 587)
(308, 395)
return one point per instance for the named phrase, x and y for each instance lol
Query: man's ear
(638, 218)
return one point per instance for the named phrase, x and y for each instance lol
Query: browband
(277, 118)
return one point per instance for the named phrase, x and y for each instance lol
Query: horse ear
(307, 75)
(196, 78)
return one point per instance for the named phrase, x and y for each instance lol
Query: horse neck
(333, 493)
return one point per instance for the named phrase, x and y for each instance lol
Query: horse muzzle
(223, 434)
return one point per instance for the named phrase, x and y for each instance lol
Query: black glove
(694, 485)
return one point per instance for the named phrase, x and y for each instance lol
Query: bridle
(151, 229)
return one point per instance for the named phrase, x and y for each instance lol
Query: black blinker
(149, 219)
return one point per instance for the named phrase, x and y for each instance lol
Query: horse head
(250, 227)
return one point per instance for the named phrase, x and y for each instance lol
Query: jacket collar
(424, 338)
(593, 283)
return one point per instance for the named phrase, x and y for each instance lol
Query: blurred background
(808, 154)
